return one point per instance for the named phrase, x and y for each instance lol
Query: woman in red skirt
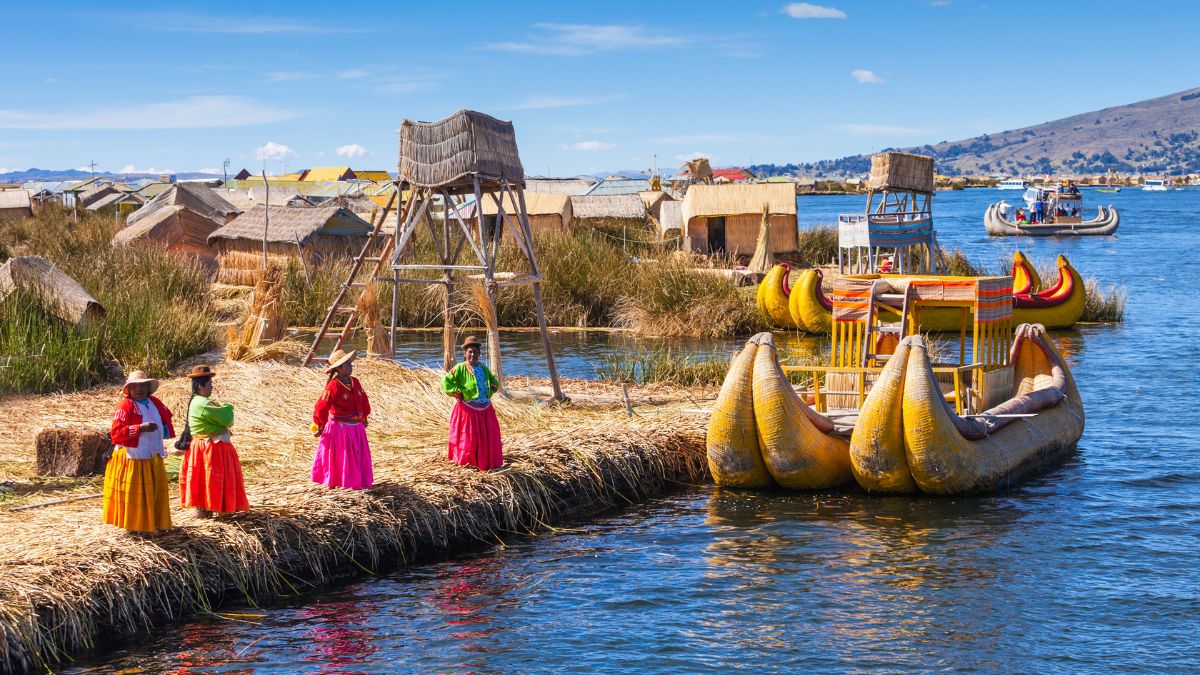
(474, 428)
(210, 478)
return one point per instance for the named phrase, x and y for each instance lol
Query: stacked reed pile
(67, 583)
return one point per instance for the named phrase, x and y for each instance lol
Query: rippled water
(1090, 566)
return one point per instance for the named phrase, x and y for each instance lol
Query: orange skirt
(210, 477)
(135, 493)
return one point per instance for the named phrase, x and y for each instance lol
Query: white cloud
(352, 151)
(5, 169)
(51, 80)
(273, 151)
(570, 39)
(188, 22)
(292, 76)
(540, 101)
(84, 168)
(351, 74)
(863, 129)
(193, 112)
(405, 85)
(866, 77)
(589, 146)
(209, 170)
(129, 168)
(804, 10)
(693, 155)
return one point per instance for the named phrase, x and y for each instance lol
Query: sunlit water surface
(1090, 566)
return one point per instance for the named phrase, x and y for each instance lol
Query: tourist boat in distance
(810, 309)
(1012, 184)
(883, 413)
(1062, 209)
(1157, 185)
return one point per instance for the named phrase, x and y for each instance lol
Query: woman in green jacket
(210, 478)
(474, 428)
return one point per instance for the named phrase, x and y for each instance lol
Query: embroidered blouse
(342, 403)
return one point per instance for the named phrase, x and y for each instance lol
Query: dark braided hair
(185, 438)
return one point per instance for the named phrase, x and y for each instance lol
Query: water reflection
(338, 634)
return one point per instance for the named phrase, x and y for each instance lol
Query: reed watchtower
(898, 219)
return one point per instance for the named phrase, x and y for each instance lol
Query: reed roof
(14, 199)
(291, 224)
(619, 206)
(735, 200)
(536, 204)
(193, 196)
(670, 216)
(901, 171)
(451, 152)
(561, 186)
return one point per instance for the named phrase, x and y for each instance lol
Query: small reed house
(180, 219)
(314, 234)
(608, 211)
(726, 218)
(547, 212)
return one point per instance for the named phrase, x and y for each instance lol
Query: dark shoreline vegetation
(162, 309)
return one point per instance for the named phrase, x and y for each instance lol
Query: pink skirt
(475, 437)
(343, 457)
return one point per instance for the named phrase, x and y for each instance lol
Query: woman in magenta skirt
(474, 428)
(340, 421)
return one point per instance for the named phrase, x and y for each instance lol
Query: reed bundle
(266, 322)
(68, 583)
(370, 319)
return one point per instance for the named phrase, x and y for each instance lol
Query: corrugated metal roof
(332, 189)
(560, 186)
(319, 174)
(619, 186)
(374, 176)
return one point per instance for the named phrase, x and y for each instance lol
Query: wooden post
(489, 276)
(523, 217)
(266, 216)
(448, 281)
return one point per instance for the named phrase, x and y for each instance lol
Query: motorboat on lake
(1012, 184)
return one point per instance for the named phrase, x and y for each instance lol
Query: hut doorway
(716, 234)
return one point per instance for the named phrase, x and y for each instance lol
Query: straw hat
(338, 357)
(472, 341)
(139, 377)
(201, 371)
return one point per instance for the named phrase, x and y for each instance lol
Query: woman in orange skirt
(210, 478)
(135, 480)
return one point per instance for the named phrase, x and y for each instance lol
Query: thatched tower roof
(450, 153)
(291, 225)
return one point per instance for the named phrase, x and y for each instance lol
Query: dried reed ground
(67, 582)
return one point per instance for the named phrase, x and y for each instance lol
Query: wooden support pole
(537, 301)
(489, 277)
(448, 282)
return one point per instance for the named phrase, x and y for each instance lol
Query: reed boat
(1060, 306)
(1106, 222)
(772, 295)
(761, 433)
(885, 412)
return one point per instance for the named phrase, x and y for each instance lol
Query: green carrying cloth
(209, 420)
(461, 379)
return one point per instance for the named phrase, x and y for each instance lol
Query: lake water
(1090, 566)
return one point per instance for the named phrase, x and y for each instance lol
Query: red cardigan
(342, 403)
(128, 418)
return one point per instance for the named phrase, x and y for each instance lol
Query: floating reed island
(68, 583)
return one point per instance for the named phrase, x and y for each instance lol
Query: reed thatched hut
(726, 218)
(315, 233)
(670, 218)
(15, 204)
(57, 292)
(608, 211)
(180, 219)
(547, 212)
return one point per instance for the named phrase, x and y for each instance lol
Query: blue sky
(591, 87)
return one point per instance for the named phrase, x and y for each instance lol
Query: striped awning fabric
(990, 297)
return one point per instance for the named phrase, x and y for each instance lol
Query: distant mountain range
(1158, 136)
(50, 175)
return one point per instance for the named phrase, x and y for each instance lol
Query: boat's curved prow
(1060, 306)
(810, 309)
(734, 458)
(877, 444)
(796, 444)
(1024, 274)
(948, 454)
(772, 296)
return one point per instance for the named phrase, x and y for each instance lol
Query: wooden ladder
(366, 259)
(876, 328)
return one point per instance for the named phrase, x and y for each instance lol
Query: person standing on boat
(340, 421)
(210, 478)
(474, 427)
(135, 480)
(1003, 208)
(1039, 211)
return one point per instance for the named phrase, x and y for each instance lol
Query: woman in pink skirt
(474, 429)
(340, 421)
